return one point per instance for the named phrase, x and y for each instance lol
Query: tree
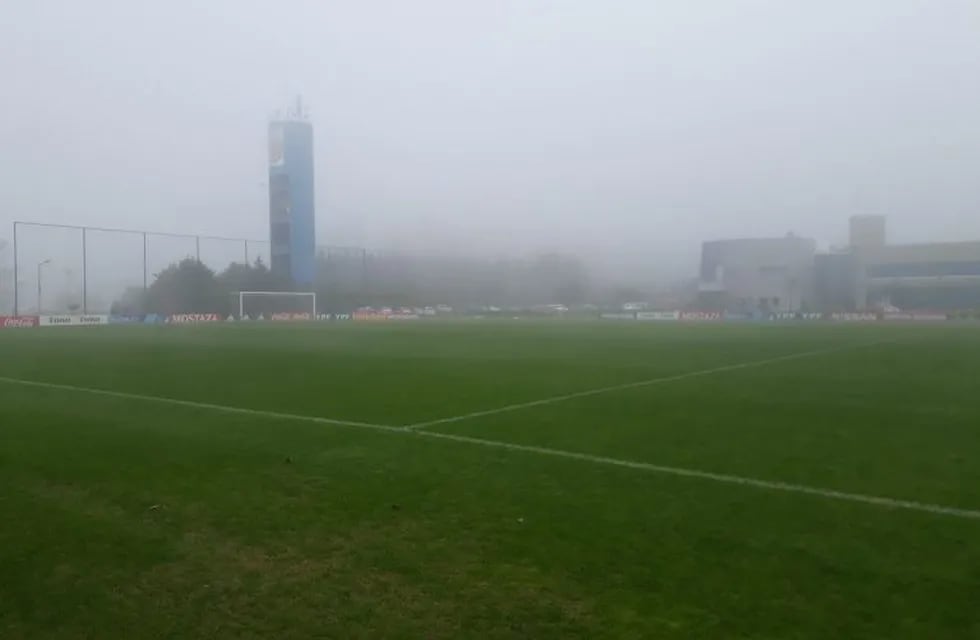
(185, 287)
(561, 278)
(131, 303)
(239, 276)
(189, 286)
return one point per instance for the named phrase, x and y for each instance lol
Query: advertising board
(699, 316)
(18, 322)
(659, 316)
(291, 317)
(854, 317)
(617, 316)
(783, 316)
(72, 321)
(193, 318)
(369, 315)
(914, 316)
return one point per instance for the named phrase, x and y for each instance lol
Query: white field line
(771, 485)
(640, 383)
(198, 405)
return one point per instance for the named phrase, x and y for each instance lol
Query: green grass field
(134, 517)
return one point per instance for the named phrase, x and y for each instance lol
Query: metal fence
(56, 269)
(61, 268)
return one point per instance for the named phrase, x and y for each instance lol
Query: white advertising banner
(660, 316)
(72, 321)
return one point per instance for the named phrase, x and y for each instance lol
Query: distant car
(549, 309)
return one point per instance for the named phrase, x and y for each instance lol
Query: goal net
(276, 305)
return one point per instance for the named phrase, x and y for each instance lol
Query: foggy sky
(631, 129)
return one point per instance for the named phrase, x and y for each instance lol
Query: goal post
(286, 305)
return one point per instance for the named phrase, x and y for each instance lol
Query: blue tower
(292, 216)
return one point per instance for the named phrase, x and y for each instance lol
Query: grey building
(935, 276)
(757, 274)
(871, 274)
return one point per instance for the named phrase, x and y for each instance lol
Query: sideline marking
(772, 485)
(198, 405)
(633, 385)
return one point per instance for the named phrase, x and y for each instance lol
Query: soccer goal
(276, 305)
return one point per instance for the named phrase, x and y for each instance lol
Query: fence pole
(364, 272)
(84, 271)
(144, 261)
(246, 253)
(197, 243)
(16, 284)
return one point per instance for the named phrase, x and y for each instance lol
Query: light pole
(39, 265)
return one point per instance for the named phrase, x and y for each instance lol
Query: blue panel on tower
(292, 218)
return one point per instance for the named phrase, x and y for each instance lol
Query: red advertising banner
(18, 322)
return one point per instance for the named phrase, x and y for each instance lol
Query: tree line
(348, 282)
(190, 286)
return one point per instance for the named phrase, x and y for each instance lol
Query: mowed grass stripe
(641, 383)
(772, 485)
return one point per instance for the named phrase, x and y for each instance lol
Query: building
(838, 282)
(292, 217)
(786, 274)
(871, 274)
(934, 276)
(757, 274)
(867, 232)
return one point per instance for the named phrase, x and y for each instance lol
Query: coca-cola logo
(18, 322)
